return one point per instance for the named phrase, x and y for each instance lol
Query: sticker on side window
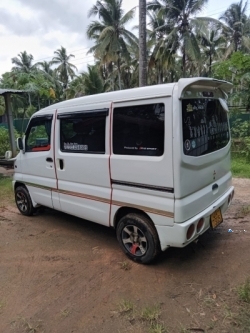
(74, 146)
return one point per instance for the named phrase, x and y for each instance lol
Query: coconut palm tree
(93, 83)
(109, 33)
(45, 66)
(23, 62)
(212, 44)
(87, 83)
(162, 57)
(65, 69)
(237, 27)
(179, 18)
(52, 76)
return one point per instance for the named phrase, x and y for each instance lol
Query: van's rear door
(201, 145)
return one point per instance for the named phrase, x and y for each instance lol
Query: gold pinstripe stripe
(144, 208)
(84, 196)
(39, 186)
(107, 201)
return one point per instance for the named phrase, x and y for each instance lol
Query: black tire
(138, 238)
(23, 201)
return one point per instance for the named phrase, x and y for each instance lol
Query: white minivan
(151, 162)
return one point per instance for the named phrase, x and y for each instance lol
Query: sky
(42, 26)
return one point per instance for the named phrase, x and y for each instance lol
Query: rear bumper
(176, 235)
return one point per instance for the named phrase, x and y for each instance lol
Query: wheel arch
(123, 211)
(18, 184)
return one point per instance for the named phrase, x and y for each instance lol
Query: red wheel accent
(133, 249)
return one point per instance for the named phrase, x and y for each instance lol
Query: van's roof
(160, 90)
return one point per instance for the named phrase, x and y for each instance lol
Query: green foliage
(240, 129)
(241, 147)
(4, 140)
(179, 44)
(6, 192)
(240, 167)
(2, 105)
(233, 68)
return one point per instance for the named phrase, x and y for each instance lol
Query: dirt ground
(62, 274)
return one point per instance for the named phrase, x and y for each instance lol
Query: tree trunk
(29, 99)
(142, 44)
(210, 64)
(184, 63)
(119, 71)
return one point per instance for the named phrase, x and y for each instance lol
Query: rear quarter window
(139, 130)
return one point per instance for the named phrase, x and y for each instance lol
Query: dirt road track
(62, 274)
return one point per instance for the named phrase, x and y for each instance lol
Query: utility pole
(142, 44)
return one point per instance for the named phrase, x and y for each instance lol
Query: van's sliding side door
(82, 161)
(141, 159)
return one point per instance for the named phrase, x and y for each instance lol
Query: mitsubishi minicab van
(151, 162)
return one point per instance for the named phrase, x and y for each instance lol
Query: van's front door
(82, 162)
(37, 160)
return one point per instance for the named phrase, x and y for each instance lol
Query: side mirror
(19, 144)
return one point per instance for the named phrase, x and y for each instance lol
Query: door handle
(61, 164)
(215, 187)
(49, 159)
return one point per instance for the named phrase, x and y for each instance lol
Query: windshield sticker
(187, 145)
(139, 148)
(189, 108)
(193, 144)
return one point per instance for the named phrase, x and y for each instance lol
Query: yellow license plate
(216, 218)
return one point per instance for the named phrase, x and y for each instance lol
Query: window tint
(83, 134)
(205, 126)
(139, 130)
(38, 135)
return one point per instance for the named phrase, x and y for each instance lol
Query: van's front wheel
(137, 238)
(23, 201)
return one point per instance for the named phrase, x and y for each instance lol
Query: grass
(126, 306)
(245, 210)
(6, 193)
(157, 328)
(65, 313)
(244, 291)
(149, 316)
(150, 313)
(126, 266)
(25, 326)
(240, 167)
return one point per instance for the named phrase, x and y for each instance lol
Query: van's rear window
(205, 126)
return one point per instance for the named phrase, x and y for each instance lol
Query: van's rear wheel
(138, 238)
(23, 201)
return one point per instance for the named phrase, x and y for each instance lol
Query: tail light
(190, 231)
(200, 225)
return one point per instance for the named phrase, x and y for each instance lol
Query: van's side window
(38, 134)
(139, 130)
(83, 134)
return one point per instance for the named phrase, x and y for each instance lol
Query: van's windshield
(205, 126)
